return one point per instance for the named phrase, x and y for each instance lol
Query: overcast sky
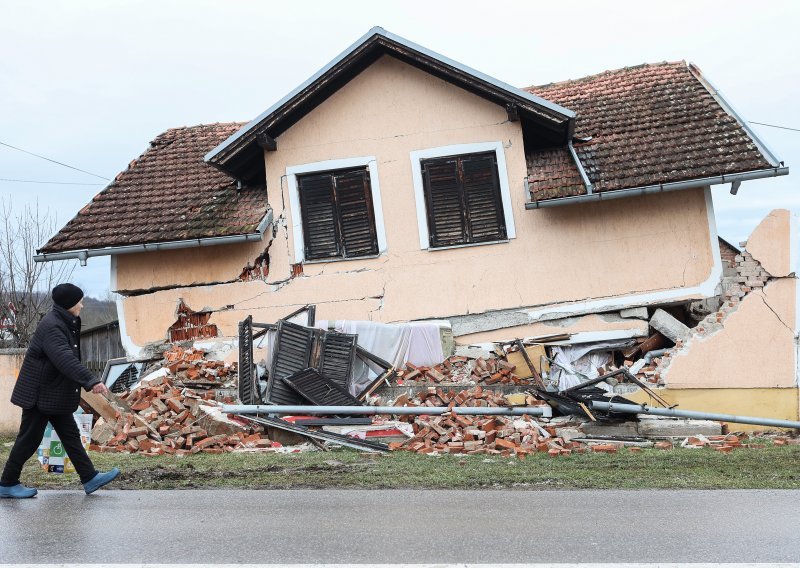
(90, 83)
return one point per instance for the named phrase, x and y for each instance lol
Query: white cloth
(417, 342)
(579, 363)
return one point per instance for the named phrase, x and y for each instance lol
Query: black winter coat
(52, 372)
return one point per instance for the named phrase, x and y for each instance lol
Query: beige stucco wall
(564, 254)
(769, 243)
(757, 345)
(10, 362)
(754, 349)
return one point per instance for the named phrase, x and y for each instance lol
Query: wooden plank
(99, 404)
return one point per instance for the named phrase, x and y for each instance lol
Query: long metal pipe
(658, 188)
(675, 413)
(543, 411)
(83, 255)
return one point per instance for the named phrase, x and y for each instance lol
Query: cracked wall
(751, 342)
(576, 253)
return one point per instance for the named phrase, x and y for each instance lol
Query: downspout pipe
(83, 255)
(675, 413)
(659, 188)
(585, 178)
(543, 411)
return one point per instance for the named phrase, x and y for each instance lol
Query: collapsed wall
(743, 357)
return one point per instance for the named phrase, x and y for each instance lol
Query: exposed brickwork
(749, 276)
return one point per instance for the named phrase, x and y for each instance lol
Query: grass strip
(773, 467)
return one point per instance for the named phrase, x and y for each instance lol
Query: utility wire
(775, 126)
(54, 161)
(48, 182)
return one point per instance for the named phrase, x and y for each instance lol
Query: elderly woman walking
(48, 390)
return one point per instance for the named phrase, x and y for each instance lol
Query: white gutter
(84, 254)
(517, 92)
(658, 188)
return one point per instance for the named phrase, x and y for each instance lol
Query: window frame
(330, 166)
(458, 150)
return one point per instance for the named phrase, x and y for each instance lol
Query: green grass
(774, 467)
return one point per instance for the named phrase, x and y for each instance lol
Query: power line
(54, 161)
(775, 126)
(48, 182)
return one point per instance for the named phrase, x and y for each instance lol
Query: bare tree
(25, 284)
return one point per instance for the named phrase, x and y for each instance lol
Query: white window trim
(419, 191)
(294, 199)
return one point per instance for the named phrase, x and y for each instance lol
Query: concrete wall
(629, 248)
(10, 362)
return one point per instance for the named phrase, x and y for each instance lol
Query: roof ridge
(682, 62)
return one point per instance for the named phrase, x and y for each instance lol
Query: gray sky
(90, 83)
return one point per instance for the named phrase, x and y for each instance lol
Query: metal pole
(675, 413)
(544, 411)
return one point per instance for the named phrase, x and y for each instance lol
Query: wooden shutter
(484, 207)
(337, 214)
(320, 218)
(443, 198)
(463, 200)
(357, 225)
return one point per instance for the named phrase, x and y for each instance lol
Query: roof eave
(84, 254)
(658, 188)
(373, 37)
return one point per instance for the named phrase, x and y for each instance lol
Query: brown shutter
(357, 225)
(484, 207)
(462, 195)
(443, 198)
(320, 218)
(338, 220)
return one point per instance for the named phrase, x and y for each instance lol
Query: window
(463, 200)
(337, 214)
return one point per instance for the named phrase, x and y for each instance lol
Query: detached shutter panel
(318, 209)
(443, 198)
(355, 213)
(484, 207)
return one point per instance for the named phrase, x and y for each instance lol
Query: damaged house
(397, 185)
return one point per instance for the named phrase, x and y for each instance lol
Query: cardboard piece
(535, 352)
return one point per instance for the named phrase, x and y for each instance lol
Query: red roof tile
(167, 194)
(648, 124)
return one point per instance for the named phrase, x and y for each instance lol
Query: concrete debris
(669, 326)
(638, 313)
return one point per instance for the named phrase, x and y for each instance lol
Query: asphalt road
(362, 526)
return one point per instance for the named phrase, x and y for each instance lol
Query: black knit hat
(67, 295)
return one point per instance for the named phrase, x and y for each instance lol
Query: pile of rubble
(452, 433)
(461, 370)
(164, 415)
(159, 418)
(189, 368)
(729, 442)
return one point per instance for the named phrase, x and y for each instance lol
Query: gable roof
(643, 126)
(651, 127)
(167, 194)
(241, 156)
